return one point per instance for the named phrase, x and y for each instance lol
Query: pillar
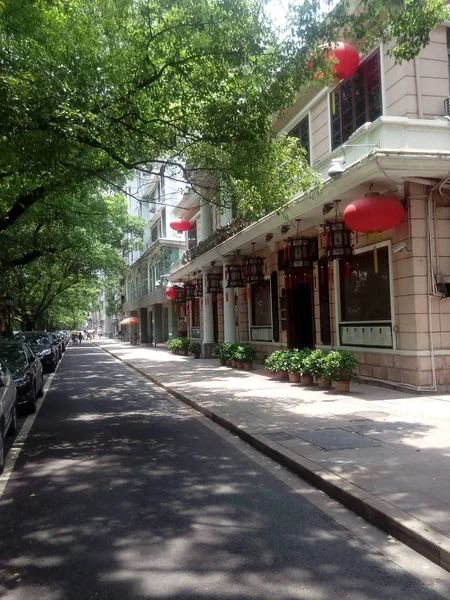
(229, 325)
(206, 224)
(208, 322)
(143, 325)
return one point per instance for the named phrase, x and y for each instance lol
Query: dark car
(61, 344)
(43, 345)
(27, 373)
(8, 412)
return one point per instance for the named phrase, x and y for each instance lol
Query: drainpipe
(418, 88)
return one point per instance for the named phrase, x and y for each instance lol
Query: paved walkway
(383, 453)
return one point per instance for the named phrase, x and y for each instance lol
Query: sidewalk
(382, 453)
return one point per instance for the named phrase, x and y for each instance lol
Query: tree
(92, 88)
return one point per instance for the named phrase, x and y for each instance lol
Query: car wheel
(31, 404)
(41, 389)
(2, 451)
(52, 367)
(13, 425)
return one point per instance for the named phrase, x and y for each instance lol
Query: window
(357, 100)
(261, 306)
(196, 312)
(155, 232)
(301, 132)
(192, 235)
(365, 295)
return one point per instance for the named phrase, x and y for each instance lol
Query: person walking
(80, 337)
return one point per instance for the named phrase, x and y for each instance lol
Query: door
(215, 318)
(300, 317)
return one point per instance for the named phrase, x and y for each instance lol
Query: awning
(130, 321)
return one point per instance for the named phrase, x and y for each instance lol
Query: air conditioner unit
(447, 107)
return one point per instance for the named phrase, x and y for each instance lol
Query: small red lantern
(347, 57)
(180, 225)
(170, 292)
(372, 213)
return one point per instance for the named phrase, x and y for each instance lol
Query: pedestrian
(80, 337)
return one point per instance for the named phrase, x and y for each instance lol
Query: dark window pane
(301, 132)
(365, 295)
(261, 307)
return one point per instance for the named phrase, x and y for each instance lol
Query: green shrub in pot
(244, 353)
(314, 363)
(278, 361)
(195, 348)
(340, 366)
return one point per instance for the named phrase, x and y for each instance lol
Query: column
(205, 214)
(143, 325)
(208, 321)
(229, 325)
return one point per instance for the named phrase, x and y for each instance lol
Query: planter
(234, 364)
(342, 387)
(239, 364)
(183, 352)
(324, 384)
(229, 363)
(306, 380)
(248, 366)
(294, 377)
(223, 362)
(196, 355)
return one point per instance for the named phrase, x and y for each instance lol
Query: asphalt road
(121, 492)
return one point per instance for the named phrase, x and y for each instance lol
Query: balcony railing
(218, 237)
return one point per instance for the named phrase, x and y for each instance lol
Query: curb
(412, 532)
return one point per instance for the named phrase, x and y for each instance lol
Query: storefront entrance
(300, 315)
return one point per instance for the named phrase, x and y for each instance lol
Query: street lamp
(7, 302)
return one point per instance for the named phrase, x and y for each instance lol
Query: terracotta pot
(229, 363)
(324, 384)
(239, 364)
(196, 355)
(306, 380)
(234, 364)
(184, 353)
(223, 362)
(248, 366)
(342, 387)
(294, 377)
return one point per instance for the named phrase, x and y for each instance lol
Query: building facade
(154, 199)
(389, 129)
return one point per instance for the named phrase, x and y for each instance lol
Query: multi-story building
(389, 126)
(154, 199)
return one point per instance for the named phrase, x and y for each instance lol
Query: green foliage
(296, 358)
(178, 344)
(340, 365)
(314, 363)
(195, 348)
(218, 351)
(244, 353)
(227, 350)
(278, 361)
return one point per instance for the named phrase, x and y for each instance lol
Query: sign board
(370, 335)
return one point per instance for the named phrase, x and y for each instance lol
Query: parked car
(8, 411)
(58, 342)
(43, 345)
(27, 372)
(61, 338)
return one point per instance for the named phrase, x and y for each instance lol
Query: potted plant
(195, 348)
(227, 352)
(295, 360)
(314, 364)
(183, 345)
(218, 352)
(278, 363)
(340, 366)
(245, 355)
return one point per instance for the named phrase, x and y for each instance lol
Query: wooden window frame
(345, 119)
(302, 132)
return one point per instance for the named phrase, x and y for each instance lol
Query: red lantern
(373, 213)
(180, 225)
(170, 292)
(347, 57)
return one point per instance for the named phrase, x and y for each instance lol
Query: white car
(8, 409)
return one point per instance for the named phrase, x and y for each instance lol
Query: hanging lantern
(170, 292)
(180, 225)
(189, 291)
(198, 288)
(180, 294)
(346, 57)
(338, 238)
(373, 213)
(214, 283)
(254, 268)
(339, 242)
(234, 276)
(297, 251)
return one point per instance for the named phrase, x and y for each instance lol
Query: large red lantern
(346, 57)
(170, 292)
(372, 213)
(180, 225)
